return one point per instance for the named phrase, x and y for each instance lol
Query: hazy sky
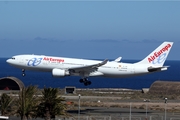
(90, 29)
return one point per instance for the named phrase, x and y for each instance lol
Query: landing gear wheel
(85, 81)
(23, 74)
(86, 84)
(89, 82)
(81, 80)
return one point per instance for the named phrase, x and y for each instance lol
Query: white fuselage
(48, 63)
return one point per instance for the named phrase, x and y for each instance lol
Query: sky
(89, 29)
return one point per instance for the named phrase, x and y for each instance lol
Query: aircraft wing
(88, 68)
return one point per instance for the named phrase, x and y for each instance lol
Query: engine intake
(59, 73)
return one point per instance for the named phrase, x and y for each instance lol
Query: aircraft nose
(8, 61)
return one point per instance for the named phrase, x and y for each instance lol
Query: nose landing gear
(23, 72)
(85, 81)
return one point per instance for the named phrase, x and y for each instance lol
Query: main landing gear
(85, 81)
(23, 72)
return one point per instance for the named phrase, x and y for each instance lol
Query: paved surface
(114, 113)
(122, 113)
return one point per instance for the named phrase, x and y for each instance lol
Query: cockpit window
(13, 58)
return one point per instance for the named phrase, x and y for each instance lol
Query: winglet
(103, 62)
(118, 59)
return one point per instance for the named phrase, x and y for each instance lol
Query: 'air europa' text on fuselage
(157, 54)
(53, 59)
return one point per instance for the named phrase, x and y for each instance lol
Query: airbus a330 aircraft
(62, 66)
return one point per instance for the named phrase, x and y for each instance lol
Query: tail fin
(159, 55)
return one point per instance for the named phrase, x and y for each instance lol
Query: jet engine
(59, 73)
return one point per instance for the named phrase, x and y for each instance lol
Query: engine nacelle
(58, 72)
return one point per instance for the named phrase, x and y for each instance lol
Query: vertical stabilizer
(159, 55)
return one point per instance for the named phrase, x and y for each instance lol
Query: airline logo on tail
(159, 56)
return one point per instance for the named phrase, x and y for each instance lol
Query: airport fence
(119, 118)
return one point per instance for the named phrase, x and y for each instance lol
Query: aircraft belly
(96, 74)
(88, 74)
(117, 72)
(38, 69)
(107, 72)
(43, 68)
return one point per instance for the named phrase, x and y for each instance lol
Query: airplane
(63, 66)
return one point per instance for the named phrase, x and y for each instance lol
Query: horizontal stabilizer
(154, 69)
